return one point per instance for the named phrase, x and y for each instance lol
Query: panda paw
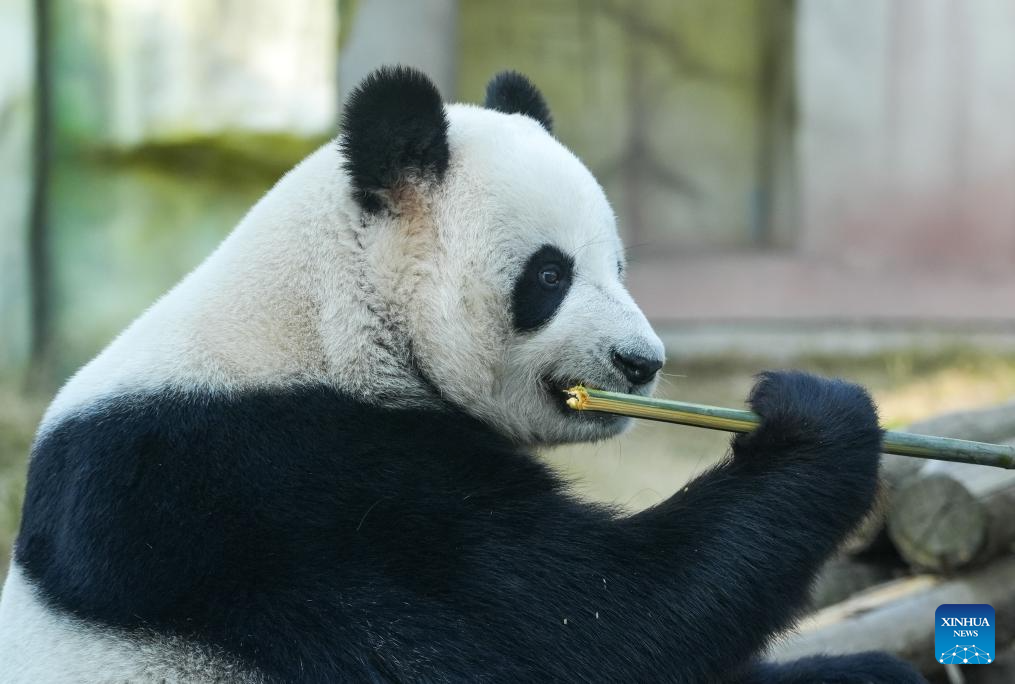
(806, 417)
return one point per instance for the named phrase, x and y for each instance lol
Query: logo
(964, 634)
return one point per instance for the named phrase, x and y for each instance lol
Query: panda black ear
(512, 93)
(394, 131)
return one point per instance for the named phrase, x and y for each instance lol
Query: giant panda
(313, 459)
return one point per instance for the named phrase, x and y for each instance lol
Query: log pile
(953, 515)
(941, 533)
(898, 617)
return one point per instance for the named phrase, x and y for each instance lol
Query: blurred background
(827, 184)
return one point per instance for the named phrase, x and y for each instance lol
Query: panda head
(495, 253)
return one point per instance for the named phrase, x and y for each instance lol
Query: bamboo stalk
(736, 420)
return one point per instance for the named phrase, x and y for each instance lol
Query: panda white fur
(310, 461)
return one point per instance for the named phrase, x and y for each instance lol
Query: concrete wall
(420, 33)
(907, 148)
(15, 178)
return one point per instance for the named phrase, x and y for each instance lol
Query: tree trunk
(995, 424)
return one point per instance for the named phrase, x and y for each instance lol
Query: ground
(653, 460)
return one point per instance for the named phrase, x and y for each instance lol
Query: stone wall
(663, 100)
(907, 149)
(137, 71)
(171, 119)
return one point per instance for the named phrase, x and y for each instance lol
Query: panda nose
(636, 368)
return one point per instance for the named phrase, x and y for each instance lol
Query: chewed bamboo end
(578, 398)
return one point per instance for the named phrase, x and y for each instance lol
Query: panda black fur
(311, 461)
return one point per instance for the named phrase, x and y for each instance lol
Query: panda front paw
(808, 418)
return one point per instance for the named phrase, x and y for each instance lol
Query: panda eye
(549, 276)
(541, 287)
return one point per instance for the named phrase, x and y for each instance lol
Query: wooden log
(952, 515)
(898, 617)
(1001, 671)
(994, 424)
(871, 536)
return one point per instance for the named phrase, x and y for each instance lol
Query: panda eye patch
(541, 287)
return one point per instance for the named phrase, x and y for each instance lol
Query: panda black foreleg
(859, 668)
(741, 544)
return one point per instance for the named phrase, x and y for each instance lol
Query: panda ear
(394, 132)
(512, 93)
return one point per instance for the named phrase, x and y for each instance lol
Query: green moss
(226, 158)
